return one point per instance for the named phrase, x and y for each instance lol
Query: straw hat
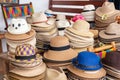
(112, 31)
(87, 75)
(40, 19)
(107, 9)
(55, 74)
(25, 54)
(19, 26)
(19, 37)
(81, 28)
(32, 72)
(60, 50)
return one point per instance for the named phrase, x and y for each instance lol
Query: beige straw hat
(60, 50)
(81, 28)
(55, 74)
(87, 74)
(107, 9)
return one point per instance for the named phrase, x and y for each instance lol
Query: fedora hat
(25, 54)
(29, 73)
(19, 26)
(55, 74)
(60, 50)
(112, 31)
(107, 9)
(112, 64)
(20, 37)
(87, 61)
(81, 28)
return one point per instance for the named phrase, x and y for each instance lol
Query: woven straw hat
(81, 28)
(20, 37)
(25, 54)
(112, 31)
(29, 73)
(19, 26)
(55, 74)
(60, 50)
(107, 8)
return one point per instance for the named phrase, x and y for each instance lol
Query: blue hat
(87, 61)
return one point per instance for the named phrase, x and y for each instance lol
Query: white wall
(38, 5)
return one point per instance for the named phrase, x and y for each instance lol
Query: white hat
(19, 26)
(89, 7)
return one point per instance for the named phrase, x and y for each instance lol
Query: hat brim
(99, 74)
(99, 13)
(19, 37)
(105, 36)
(60, 55)
(30, 72)
(84, 34)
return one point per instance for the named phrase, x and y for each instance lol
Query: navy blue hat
(87, 61)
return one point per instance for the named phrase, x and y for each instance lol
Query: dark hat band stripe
(89, 10)
(59, 48)
(25, 57)
(60, 29)
(109, 33)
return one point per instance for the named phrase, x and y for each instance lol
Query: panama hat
(60, 50)
(112, 31)
(25, 54)
(81, 28)
(31, 74)
(107, 9)
(19, 26)
(19, 37)
(55, 74)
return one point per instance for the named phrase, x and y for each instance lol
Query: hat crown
(88, 61)
(59, 41)
(89, 7)
(61, 17)
(113, 28)
(25, 50)
(39, 17)
(107, 7)
(18, 26)
(81, 25)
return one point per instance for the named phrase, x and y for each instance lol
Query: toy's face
(18, 26)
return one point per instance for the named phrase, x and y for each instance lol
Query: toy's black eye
(12, 25)
(19, 25)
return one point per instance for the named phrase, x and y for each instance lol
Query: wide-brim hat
(81, 28)
(83, 74)
(55, 74)
(19, 37)
(32, 72)
(107, 8)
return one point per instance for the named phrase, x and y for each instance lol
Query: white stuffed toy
(19, 26)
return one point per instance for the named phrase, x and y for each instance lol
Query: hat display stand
(103, 50)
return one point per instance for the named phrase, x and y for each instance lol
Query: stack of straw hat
(105, 15)
(59, 54)
(86, 66)
(27, 64)
(79, 35)
(45, 28)
(89, 12)
(19, 32)
(112, 64)
(62, 23)
(112, 33)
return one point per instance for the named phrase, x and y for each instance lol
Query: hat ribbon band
(110, 33)
(60, 29)
(59, 48)
(89, 10)
(25, 57)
